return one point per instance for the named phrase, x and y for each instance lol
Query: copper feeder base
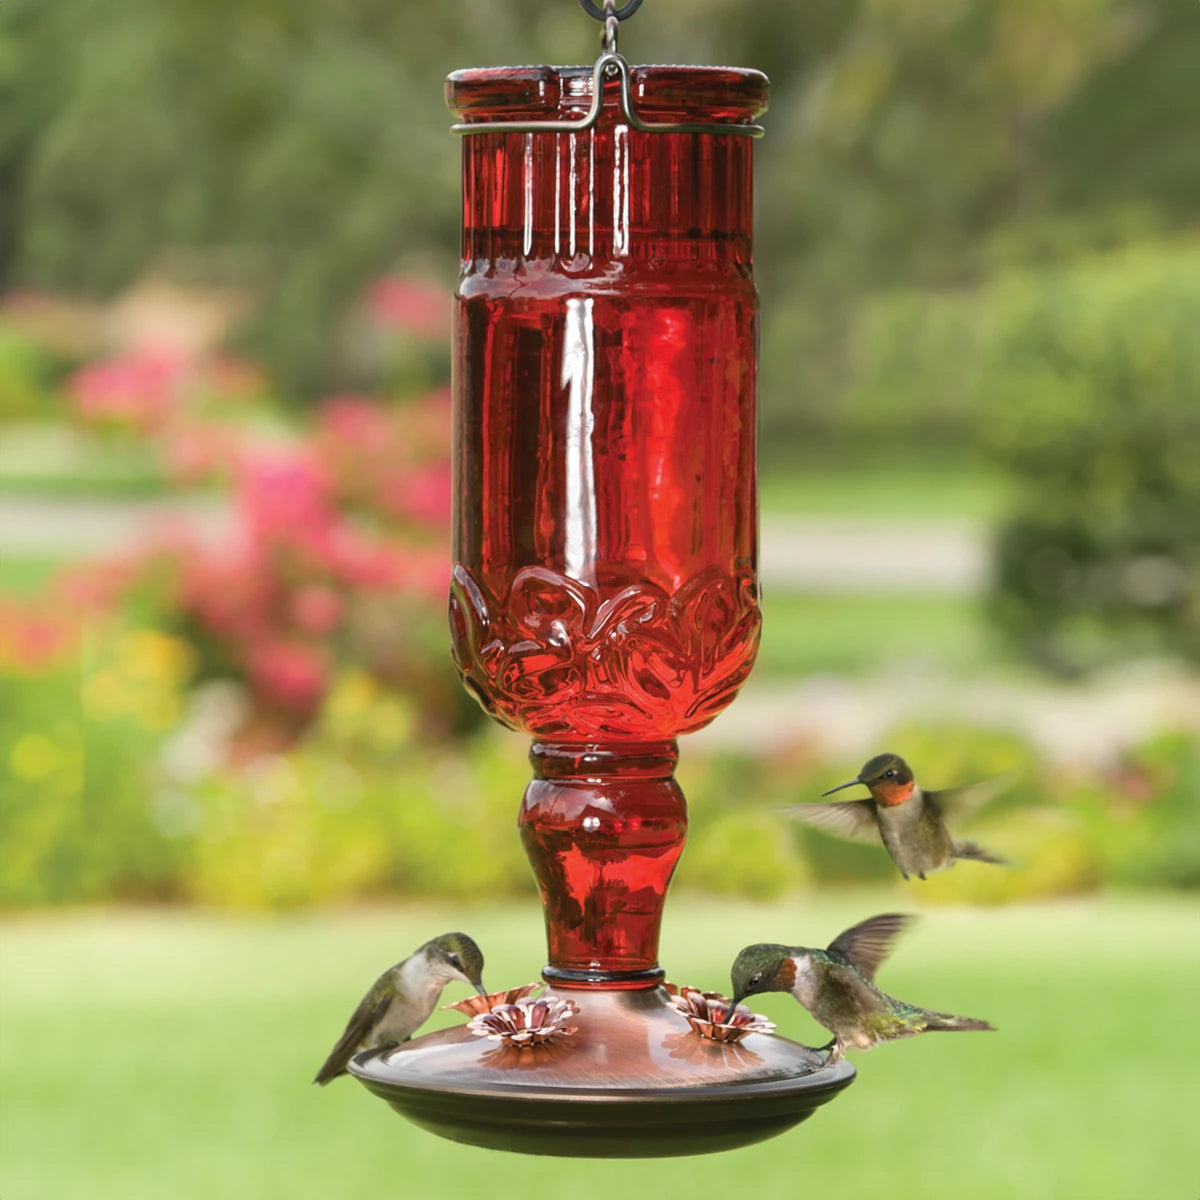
(635, 1081)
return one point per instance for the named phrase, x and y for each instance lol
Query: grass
(22, 576)
(942, 486)
(57, 460)
(853, 632)
(54, 459)
(152, 1054)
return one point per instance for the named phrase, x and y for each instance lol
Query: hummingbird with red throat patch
(908, 819)
(837, 985)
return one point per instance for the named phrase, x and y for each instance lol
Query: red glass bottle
(604, 596)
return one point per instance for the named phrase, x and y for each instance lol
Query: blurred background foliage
(912, 145)
(226, 235)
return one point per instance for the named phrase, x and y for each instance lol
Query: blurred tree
(299, 148)
(933, 145)
(1093, 389)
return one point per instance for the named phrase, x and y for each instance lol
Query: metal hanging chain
(623, 13)
(609, 65)
(612, 20)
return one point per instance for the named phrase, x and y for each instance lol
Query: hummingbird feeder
(604, 597)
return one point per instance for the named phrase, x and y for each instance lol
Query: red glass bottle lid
(678, 99)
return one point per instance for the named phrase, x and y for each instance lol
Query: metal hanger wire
(609, 65)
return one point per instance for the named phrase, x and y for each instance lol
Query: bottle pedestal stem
(603, 828)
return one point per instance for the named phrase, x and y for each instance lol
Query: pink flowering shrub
(337, 551)
(136, 391)
(409, 306)
(331, 547)
(157, 390)
(42, 632)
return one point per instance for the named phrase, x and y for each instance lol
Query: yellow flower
(149, 654)
(106, 695)
(34, 757)
(353, 696)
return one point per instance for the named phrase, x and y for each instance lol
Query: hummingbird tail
(977, 853)
(327, 1072)
(949, 1023)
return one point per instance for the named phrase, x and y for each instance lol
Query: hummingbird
(402, 998)
(907, 818)
(837, 986)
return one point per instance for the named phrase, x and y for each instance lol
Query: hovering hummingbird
(402, 998)
(837, 986)
(907, 818)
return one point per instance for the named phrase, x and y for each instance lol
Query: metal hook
(608, 42)
(623, 13)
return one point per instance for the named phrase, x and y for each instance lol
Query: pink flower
(316, 609)
(366, 564)
(140, 389)
(31, 639)
(230, 378)
(284, 490)
(428, 497)
(428, 572)
(230, 594)
(294, 675)
(194, 453)
(409, 306)
(95, 587)
(354, 419)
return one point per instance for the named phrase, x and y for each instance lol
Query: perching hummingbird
(837, 986)
(402, 998)
(906, 817)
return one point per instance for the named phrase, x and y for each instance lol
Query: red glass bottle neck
(597, 200)
(604, 827)
(593, 762)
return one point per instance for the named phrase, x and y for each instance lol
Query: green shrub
(1048, 854)
(1144, 814)
(746, 854)
(363, 808)
(84, 813)
(1094, 407)
(27, 377)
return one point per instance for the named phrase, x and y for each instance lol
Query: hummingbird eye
(455, 961)
(890, 773)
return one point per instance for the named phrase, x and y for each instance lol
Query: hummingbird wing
(853, 820)
(366, 1016)
(866, 945)
(969, 798)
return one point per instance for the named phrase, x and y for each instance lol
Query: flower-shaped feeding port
(709, 1015)
(474, 1006)
(527, 1022)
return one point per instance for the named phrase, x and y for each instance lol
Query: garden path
(832, 553)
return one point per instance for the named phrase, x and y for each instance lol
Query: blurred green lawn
(155, 1054)
(21, 575)
(55, 460)
(805, 631)
(855, 632)
(58, 459)
(918, 485)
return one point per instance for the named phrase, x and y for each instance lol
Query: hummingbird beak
(733, 1008)
(849, 783)
(480, 988)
